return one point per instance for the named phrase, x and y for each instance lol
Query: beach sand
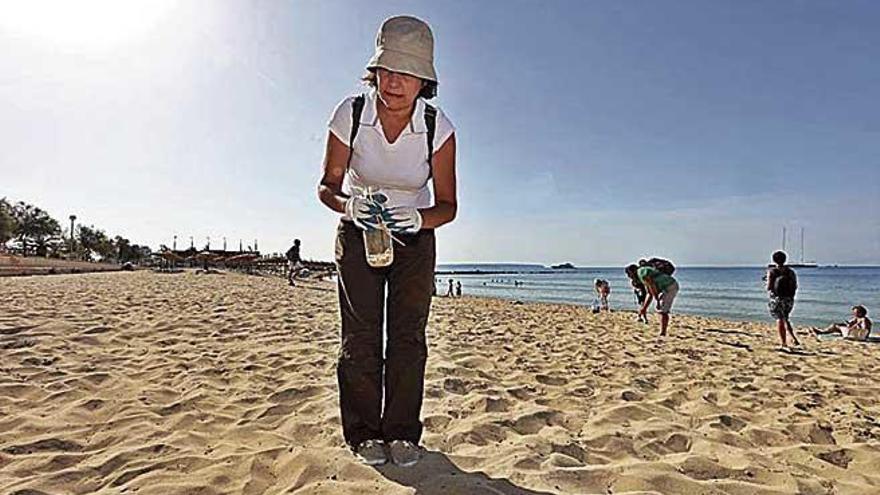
(206, 384)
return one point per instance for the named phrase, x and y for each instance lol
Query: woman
(858, 328)
(638, 288)
(391, 141)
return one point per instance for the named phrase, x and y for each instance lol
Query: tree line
(29, 230)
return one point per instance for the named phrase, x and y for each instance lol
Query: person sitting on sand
(858, 328)
(661, 287)
(603, 289)
(391, 140)
(782, 286)
(638, 288)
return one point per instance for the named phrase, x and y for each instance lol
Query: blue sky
(591, 132)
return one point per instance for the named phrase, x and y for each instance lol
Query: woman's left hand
(402, 219)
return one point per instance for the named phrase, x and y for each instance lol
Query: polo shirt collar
(370, 117)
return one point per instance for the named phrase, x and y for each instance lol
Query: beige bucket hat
(405, 44)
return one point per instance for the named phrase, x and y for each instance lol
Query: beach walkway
(181, 383)
(13, 266)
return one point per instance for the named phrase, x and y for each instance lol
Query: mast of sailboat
(802, 245)
(783, 238)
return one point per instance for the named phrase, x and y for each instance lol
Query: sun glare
(82, 23)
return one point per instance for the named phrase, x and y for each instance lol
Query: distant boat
(801, 263)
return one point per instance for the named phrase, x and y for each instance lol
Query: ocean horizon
(825, 293)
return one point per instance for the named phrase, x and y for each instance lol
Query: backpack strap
(431, 124)
(357, 108)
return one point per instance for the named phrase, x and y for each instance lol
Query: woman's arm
(652, 293)
(335, 163)
(445, 203)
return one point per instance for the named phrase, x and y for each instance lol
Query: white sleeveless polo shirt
(401, 168)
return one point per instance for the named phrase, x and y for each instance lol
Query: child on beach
(858, 328)
(603, 289)
(782, 286)
(661, 287)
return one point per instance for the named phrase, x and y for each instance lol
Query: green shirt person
(662, 287)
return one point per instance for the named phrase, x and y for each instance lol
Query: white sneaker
(371, 452)
(404, 453)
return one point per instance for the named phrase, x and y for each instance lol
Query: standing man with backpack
(782, 286)
(294, 261)
(656, 276)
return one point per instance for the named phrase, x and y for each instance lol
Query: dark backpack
(663, 266)
(292, 254)
(785, 283)
(357, 108)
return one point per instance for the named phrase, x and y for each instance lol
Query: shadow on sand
(729, 332)
(435, 474)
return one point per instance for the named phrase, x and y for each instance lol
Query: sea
(825, 294)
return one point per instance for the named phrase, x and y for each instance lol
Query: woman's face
(397, 91)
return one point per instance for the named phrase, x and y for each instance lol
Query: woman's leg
(359, 370)
(409, 302)
(834, 328)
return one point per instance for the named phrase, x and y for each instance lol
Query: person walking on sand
(782, 286)
(294, 261)
(450, 292)
(660, 286)
(390, 142)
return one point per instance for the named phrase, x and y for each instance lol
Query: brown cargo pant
(363, 303)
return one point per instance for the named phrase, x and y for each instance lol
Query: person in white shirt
(858, 328)
(393, 142)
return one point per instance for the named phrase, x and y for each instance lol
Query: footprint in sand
(703, 469)
(726, 421)
(47, 445)
(535, 422)
(522, 393)
(551, 380)
(437, 422)
(631, 396)
(840, 458)
(456, 386)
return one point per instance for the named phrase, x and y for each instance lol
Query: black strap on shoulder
(357, 108)
(431, 124)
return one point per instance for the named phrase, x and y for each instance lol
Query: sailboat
(802, 263)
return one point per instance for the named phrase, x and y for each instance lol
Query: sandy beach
(225, 384)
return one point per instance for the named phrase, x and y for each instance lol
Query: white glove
(402, 219)
(365, 212)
